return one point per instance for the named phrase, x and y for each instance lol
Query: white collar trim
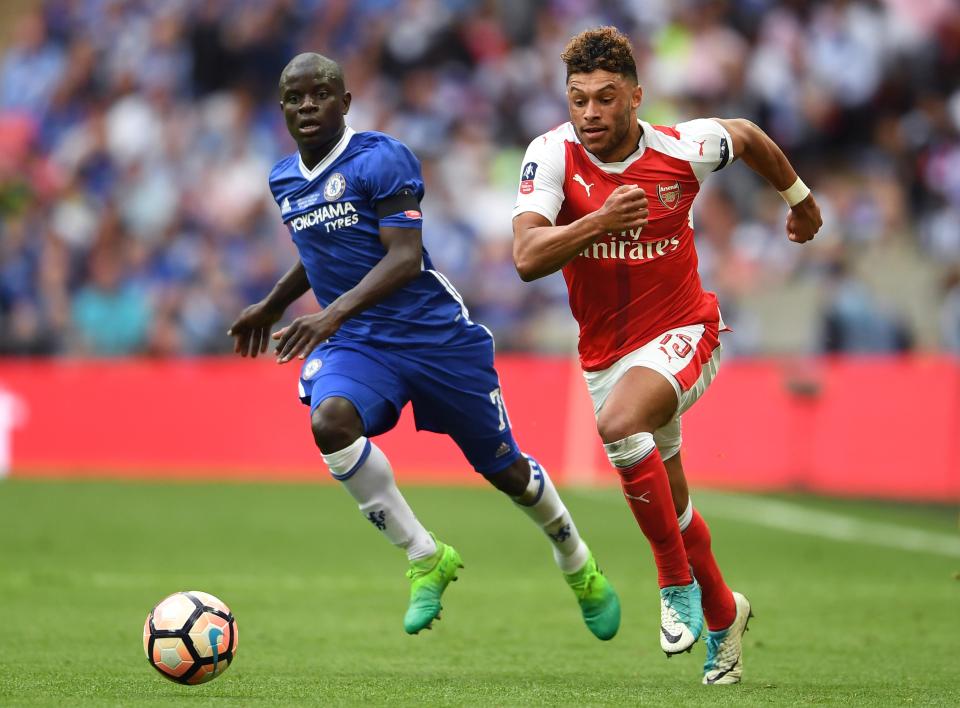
(620, 167)
(338, 149)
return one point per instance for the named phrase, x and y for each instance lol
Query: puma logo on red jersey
(578, 178)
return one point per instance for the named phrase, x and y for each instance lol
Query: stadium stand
(136, 137)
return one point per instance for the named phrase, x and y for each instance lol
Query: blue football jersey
(331, 213)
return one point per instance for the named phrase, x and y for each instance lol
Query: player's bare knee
(616, 425)
(513, 480)
(335, 424)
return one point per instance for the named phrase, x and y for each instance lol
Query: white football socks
(542, 504)
(686, 517)
(365, 472)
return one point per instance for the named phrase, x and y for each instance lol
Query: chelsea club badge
(311, 368)
(335, 187)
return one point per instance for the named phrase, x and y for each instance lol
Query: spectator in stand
(854, 322)
(110, 317)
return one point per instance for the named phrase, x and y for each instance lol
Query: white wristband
(795, 193)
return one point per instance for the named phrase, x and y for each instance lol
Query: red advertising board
(876, 427)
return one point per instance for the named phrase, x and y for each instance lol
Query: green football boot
(429, 577)
(598, 600)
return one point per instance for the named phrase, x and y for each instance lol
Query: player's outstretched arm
(251, 329)
(765, 157)
(540, 249)
(400, 265)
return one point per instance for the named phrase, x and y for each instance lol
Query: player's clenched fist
(804, 220)
(625, 208)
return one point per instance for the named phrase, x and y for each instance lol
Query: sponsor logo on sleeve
(412, 214)
(526, 177)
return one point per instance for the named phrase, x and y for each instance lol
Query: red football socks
(719, 608)
(647, 491)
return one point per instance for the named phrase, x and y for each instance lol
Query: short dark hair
(315, 62)
(604, 48)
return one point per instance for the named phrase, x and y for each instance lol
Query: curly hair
(604, 48)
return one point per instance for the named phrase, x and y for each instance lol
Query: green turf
(319, 597)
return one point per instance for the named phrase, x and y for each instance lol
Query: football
(190, 637)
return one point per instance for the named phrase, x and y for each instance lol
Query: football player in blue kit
(392, 330)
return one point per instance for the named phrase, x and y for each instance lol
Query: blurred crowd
(136, 138)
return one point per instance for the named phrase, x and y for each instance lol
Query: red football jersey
(629, 287)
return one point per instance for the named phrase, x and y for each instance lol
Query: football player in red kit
(607, 199)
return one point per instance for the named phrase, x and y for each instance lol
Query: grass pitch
(319, 597)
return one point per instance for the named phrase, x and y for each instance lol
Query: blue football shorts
(454, 390)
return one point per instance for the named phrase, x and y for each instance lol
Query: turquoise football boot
(681, 618)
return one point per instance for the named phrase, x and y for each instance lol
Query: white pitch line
(795, 518)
